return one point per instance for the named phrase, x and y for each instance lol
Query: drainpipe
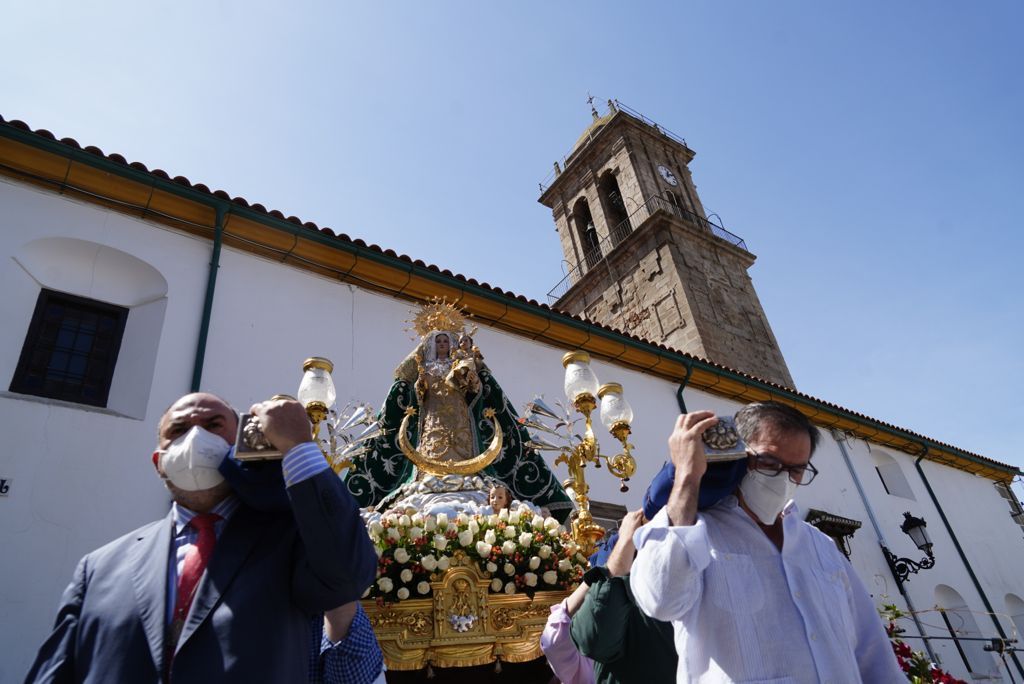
(963, 556)
(679, 392)
(211, 285)
(841, 441)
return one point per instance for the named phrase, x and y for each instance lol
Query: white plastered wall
(80, 476)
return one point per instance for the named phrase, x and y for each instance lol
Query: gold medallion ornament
(722, 436)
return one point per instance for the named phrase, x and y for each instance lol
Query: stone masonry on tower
(642, 257)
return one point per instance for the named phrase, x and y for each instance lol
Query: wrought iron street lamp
(902, 568)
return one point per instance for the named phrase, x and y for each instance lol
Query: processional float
(459, 583)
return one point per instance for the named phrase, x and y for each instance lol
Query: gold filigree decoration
(461, 559)
(438, 314)
(504, 618)
(418, 623)
(463, 631)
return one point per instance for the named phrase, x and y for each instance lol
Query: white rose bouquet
(518, 550)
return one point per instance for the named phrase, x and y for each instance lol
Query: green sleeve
(599, 627)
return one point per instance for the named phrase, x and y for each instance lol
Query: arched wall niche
(963, 627)
(89, 269)
(1015, 609)
(891, 474)
(107, 275)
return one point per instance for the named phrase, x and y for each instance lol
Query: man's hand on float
(285, 423)
(631, 523)
(685, 447)
(620, 560)
(687, 452)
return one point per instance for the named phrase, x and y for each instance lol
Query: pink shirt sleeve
(556, 642)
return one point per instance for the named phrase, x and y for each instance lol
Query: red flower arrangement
(915, 664)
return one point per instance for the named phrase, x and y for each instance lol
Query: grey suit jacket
(270, 575)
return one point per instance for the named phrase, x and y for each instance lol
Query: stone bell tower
(642, 257)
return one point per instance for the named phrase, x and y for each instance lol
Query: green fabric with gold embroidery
(384, 468)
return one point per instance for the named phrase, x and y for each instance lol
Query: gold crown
(439, 314)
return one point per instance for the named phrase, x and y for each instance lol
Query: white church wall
(982, 526)
(80, 476)
(992, 543)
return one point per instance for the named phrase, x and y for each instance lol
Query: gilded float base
(462, 625)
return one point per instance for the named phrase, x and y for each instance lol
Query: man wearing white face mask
(217, 590)
(753, 592)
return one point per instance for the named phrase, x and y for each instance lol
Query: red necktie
(195, 563)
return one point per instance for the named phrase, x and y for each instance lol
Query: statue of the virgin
(449, 433)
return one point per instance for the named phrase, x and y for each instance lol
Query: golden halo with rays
(438, 314)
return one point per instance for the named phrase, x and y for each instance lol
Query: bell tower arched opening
(614, 208)
(590, 243)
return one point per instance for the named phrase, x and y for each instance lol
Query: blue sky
(869, 153)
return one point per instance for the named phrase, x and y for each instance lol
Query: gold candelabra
(581, 386)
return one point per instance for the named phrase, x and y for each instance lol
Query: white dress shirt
(744, 612)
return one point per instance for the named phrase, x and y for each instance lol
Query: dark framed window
(71, 349)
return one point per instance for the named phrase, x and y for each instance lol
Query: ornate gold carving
(505, 618)
(416, 632)
(459, 558)
(585, 531)
(460, 607)
(416, 622)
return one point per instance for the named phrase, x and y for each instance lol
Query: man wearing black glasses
(753, 592)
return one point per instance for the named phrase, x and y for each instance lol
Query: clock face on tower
(667, 174)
